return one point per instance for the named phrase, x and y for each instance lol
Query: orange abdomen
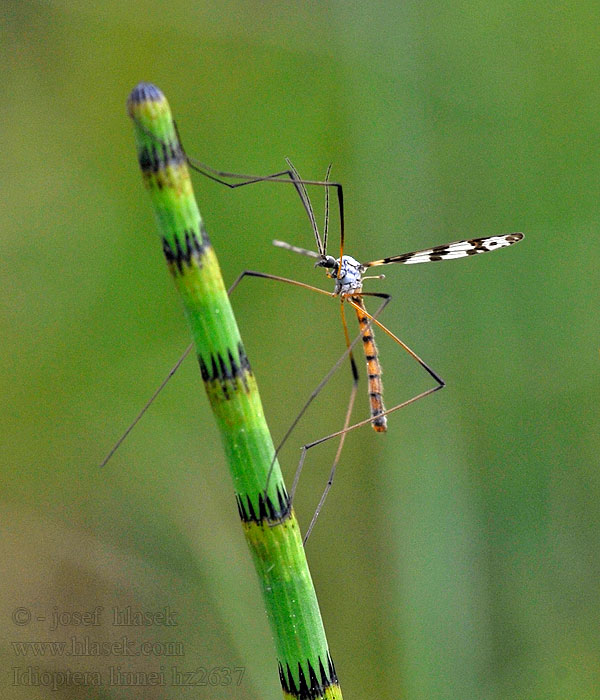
(379, 422)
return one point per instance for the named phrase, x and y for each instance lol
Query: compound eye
(327, 261)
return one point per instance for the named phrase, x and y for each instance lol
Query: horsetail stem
(270, 526)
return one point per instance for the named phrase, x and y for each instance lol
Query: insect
(348, 276)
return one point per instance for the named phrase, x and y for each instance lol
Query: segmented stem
(305, 666)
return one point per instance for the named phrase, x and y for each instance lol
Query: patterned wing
(451, 251)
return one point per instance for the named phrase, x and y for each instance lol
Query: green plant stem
(272, 532)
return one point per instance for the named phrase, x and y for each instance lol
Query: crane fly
(348, 275)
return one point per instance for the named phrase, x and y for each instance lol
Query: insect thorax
(348, 279)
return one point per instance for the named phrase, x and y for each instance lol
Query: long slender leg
(147, 405)
(340, 446)
(303, 192)
(313, 395)
(440, 383)
(403, 345)
(346, 430)
(136, 420)
(348, 353)
(322, 383)
(286, 176)
(276, 278)
(317, 390)
(326, 217)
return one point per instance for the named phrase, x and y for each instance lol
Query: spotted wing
(451, 251)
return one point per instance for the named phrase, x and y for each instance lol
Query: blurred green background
(457, 556)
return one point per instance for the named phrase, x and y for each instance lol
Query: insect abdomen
(379, 422)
